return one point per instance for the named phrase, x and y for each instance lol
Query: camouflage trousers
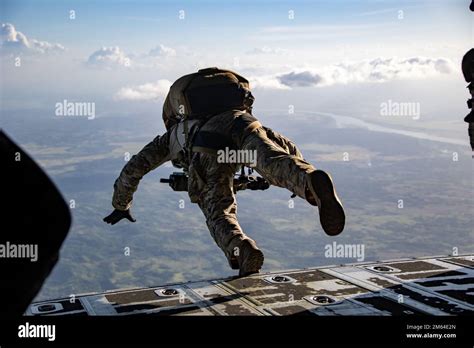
(210, 183)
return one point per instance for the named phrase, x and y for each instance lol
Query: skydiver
(208, 111)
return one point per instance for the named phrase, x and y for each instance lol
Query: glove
(118, 215)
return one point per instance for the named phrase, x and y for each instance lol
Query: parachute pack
(205, 93)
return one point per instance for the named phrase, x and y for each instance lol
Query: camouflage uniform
(208, 111)
(210, 183)
(150, 157)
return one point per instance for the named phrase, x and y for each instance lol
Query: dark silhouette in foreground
(39, 222)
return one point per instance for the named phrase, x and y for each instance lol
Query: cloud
(162, 51)
(147, 91)
(376, 70)
(291, 33)
(302, 79)
(15, 42)
(314, 28)
(266, 82)
(109, 57)
(380, 11)
(267, 50)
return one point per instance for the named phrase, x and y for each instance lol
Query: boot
(248, 256)
(233, 262)
(331, 212)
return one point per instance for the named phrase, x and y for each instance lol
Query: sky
(129, 52)
(328, 56)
